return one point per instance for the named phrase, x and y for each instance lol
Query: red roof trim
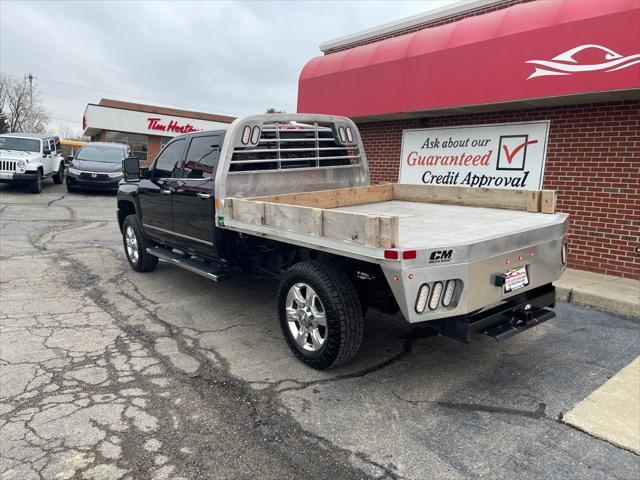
(485, 59)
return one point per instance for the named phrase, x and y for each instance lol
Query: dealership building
(522, 94)
(145, 128)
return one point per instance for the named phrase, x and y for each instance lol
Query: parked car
(30, 158)
(289, 196)
(97, 166)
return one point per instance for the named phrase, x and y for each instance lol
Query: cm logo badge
(440, 256)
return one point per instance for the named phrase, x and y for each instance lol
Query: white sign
(510, 155)
(99, 117)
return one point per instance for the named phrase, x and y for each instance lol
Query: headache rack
(275, 154)
(289, 145)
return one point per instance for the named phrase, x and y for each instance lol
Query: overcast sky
(212, 56)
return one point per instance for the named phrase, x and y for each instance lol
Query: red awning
(529, 51)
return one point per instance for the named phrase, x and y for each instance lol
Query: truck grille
(100, 177)
(287, 146)
(7, 166)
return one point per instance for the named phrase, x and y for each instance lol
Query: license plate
(516, 278)
(6, 176)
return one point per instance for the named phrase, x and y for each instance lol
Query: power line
(64, 119)
(137, 99)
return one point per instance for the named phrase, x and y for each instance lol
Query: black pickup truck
(289, 196)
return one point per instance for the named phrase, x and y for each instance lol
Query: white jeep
(30, 158)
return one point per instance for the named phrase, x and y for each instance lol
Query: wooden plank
(248, 211)
(228, 208)
(316, 222)
(549, 199)
(389, 231)
(476, 197)
(354, 227)
(340, 197)
(533, 202)
(293, 217)
(372, 231)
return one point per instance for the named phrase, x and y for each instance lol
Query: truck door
(48, 161)
(156, 190)
(193, 208)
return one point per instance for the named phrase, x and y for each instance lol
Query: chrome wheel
(132, 244)
(306, 317)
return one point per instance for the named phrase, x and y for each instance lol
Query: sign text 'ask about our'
(508, 155)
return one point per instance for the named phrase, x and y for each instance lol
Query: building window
(137, 143)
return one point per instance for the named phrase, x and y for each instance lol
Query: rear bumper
(476, 287)
(506, 319)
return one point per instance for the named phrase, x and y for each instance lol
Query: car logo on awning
(566, 64)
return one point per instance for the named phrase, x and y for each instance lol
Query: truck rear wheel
(320, 314)
(135, 246)
(58, 178)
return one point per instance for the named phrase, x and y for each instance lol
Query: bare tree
(68, 133)
(4, 125)
(22, 104)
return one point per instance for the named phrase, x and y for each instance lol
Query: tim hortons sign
(155, 123)
(510, 155)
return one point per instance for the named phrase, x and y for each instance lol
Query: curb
(588, 296)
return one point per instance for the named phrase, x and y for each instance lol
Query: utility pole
(31, 126)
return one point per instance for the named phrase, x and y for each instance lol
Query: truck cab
(174, 197)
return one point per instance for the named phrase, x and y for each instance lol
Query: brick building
(571, 65)
(145, 128)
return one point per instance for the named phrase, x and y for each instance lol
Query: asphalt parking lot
(106, 373)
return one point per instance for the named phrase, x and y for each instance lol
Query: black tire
(58, 178)
(71, 189)
(36, 184)
(343, 313)
(144, 261)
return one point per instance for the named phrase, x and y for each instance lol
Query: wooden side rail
(370, 230)
(543, 201)
(311, 212)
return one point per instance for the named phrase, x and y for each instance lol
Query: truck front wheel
(320, 314)
(36, 183)
(135, 246)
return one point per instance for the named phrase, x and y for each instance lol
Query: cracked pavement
(106, 373)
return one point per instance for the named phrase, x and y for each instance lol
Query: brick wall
(593, 160)
(433, 23)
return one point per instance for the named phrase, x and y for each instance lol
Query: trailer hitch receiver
(506, 319)
(522, 319)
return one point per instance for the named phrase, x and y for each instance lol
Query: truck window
(168, 159)
(202, 157)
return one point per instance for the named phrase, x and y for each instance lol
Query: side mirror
(45, 152)
(131, 169)
(69, 159)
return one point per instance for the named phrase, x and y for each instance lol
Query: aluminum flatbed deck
(430, 225)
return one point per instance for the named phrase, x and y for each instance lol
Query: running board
(206, 270)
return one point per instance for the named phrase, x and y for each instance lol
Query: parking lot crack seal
(407, 347)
